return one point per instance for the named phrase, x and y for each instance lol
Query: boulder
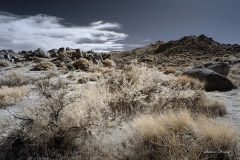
(53, 53)
(83, 80)
(77, 54)
(62, 49)
(208, 64)
(236, 61)
(213, 80)
(40, 53)
(220, 67)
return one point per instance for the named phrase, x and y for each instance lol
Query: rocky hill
(189, 50)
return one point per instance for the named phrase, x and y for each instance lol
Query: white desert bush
(10, 95)
(14, 78)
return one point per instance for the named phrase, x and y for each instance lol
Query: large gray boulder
(220, 67)
(213, 81)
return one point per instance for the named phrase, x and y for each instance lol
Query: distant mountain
(189, 50)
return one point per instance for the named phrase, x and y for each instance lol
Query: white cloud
(146, 40)
(48, 32)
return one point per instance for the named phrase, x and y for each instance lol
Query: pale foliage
(10, 95)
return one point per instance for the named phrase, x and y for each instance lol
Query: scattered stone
(62, 49)
(70, 77)
(70, 67)
(93, 78)
(40, 53)
(83, 80)
(53, 53)
(77, 54)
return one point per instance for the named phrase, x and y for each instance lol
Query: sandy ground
(232, 100)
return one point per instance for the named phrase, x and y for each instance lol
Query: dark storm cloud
(47, 32)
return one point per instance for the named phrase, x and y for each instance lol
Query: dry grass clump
(10, 95)
(44, 66)
(14, 79)
(195, 101)
(82, 63)
(60, 125)
(211, 106)
(179, 136)
(235, 78)
(189, 82)
(169, 70)
(46, 131)
(99, 68)
(234, 74)
(216, 135)
(140, 89)
(235, 69)
(108, 63)
(51, 74)
(4, 63)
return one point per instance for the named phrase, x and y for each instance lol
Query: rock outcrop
(187, 51)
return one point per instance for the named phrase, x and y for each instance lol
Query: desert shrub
(178, 136)
(116, 80)
(99, 69)
(195, 101)
(47, 133)
(82, 63)
(108, 63)
(235, 69)
(59, 126)
(234, 74)
(10, 95)
(44, 66)
(211, 106)
(217, 136)
(4, 63)
(189, 82)
(142, 89)
(14, 79)
(235, 78)
(51, 74)
(169, 70)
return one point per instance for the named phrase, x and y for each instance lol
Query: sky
(104, 25)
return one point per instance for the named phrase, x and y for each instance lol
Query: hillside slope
(189, 50)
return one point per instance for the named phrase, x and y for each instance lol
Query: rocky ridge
(187, 51)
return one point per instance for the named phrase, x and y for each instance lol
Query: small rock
(83, 80)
